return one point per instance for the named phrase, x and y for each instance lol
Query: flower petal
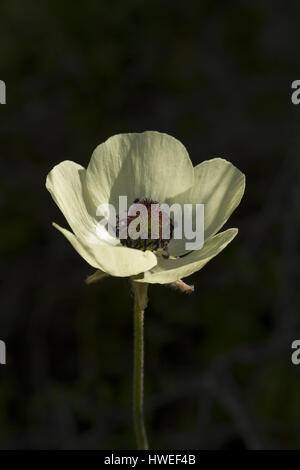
(150, 164)
(66, 183)
(168, 271)
(114, 260)
(220, 186)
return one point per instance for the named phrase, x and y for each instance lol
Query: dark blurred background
(216, 75)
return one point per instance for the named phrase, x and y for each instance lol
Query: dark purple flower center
(147, 239)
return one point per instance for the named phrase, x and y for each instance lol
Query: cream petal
(168, 271)
(220, 186)
(114, 260)
(66, 183)
(83, 250)
(150, 164)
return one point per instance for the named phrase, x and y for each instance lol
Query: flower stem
(140, 302)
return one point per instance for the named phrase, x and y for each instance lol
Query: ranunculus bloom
(148, 165)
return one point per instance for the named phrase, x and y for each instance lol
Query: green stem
(140, 302)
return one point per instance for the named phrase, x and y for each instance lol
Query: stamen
(145, 242)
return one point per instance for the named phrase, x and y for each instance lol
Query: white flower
(149, 165)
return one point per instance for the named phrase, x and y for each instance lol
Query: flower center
(153, 227)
